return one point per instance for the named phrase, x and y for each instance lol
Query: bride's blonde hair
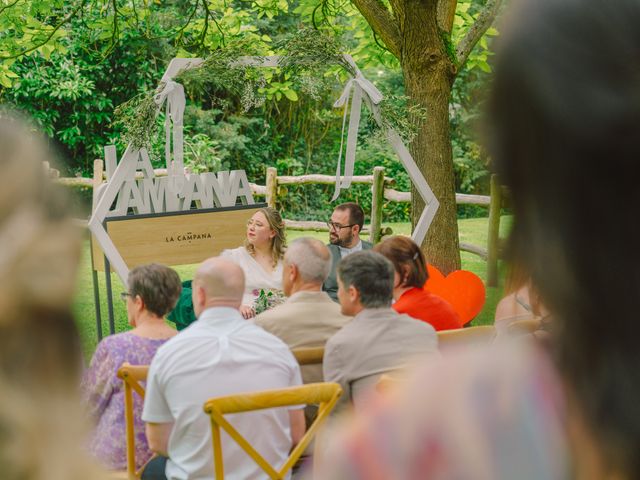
(279, 242)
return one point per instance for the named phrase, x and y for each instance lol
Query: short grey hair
(371, 274)
(312, 257)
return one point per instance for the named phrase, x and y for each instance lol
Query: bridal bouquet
(267, 298)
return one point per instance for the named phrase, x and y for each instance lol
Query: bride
(261, 256)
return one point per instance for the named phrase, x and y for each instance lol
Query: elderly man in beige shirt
(378, 340)
(309, 317)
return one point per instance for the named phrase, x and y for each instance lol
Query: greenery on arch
(310, 62)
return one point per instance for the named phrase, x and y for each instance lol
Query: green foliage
(201, 154)
(404, 117)
(306, 56)
(29, 28)
(309, 51)
(466, 15)
(136, 118)
(236, 117)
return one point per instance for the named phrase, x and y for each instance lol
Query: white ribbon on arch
(361, 87)
(173, 96)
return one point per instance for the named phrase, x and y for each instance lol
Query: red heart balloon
(435, 275)
(464, 290)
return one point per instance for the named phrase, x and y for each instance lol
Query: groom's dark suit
(331, 284)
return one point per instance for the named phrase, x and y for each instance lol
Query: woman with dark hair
(564, 116)
(565, 113)
(410, 276)
(153, 291)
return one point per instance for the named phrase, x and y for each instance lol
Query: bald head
(217, 282)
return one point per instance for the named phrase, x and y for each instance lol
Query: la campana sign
(153, 194)
(132, 189)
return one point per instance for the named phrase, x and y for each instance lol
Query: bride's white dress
(255, 276)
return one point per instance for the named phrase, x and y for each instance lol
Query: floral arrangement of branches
(307, 56)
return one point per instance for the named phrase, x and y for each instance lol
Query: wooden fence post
(493, 238)
(98, 170)
(272, 186)
(377, 200)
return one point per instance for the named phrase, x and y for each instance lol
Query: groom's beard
(334, 239)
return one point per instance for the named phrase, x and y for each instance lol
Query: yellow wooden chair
(132, 375)
(324, 394)
(309, 356)
(483, 334)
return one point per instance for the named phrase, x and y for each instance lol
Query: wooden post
(493, 238)
(377, 199)
(98, 170)
(272, 186)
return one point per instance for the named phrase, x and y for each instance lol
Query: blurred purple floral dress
(103, 392)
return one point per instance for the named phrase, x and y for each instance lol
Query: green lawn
(471, 231)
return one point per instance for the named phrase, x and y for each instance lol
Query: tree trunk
(428, 75)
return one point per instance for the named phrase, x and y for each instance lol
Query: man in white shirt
(219, 354)
(345, 226)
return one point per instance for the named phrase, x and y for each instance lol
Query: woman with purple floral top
(153, 292)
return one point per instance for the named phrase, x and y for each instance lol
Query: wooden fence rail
(380, 191)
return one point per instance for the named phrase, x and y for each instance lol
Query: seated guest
(345, 226)
(260, 259)
(153, 291)
(309, 317)
(219, 354)
(378, 339)
(410, 276)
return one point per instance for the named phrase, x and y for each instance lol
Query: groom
(344, 238)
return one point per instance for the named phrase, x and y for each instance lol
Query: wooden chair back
(132, 375)
(324, 394)
(309, 356)
(466, 336)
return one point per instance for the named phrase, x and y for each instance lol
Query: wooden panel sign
(178, 238)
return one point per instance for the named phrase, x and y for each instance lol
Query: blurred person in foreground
(41, 424)
(152, 292)
(564, 116)
(378, 340)
(410, 276)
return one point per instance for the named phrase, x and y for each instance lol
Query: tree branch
(382, 22)
(446, 14)
(477, 30)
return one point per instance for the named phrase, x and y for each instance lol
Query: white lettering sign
(153, 194)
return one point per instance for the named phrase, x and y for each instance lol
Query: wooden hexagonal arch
(356, 91)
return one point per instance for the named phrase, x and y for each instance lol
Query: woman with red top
(411, 275)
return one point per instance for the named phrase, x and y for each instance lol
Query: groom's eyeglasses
(338, 226)
(124, 295)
